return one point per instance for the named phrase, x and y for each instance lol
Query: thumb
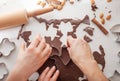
(70, 40)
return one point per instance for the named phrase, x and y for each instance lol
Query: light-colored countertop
(77, 10)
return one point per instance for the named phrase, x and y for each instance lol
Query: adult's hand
(81, 55)
(30, 59)
(79, 50)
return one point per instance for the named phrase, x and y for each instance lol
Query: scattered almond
(101, 15)
(59, 7)
(55, 6)
(38, 3)
(109, 0)
(92, 1)
(62, 3)
(43, 4)
(108, 17)
(103, 21)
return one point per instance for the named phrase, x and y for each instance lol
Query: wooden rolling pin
(20, 17)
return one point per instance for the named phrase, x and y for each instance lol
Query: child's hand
(49, 74)
(32, 58)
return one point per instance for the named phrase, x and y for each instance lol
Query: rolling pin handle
(40, 11)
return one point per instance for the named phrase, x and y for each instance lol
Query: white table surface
(77, 10)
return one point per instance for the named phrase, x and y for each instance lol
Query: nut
(108, 17)
(109, 0)
(55, 6)
(38, 3)
(103, 21)
(71, 1)
(59, 7)
(92, 1)
(62, 3)
(101, 15)
(43, 4)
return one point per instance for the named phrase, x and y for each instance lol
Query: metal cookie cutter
(34, 77)
(7, 45)
(116, 30)
(119, 55)
(3, 71)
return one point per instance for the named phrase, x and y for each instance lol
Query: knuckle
(47, 46)
(43, 43)
(47, 77)
(43, 40)
(31, 48)
(48, 51)
(79, 40)
(37, 52)
(52, 79)
(37, 39)
(40, 79)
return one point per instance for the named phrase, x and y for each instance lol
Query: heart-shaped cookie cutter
(116, 30)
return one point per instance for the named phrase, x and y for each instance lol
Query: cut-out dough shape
(69, 72)
(49, 63)
(86, 20)
(25, 35)
(56, 22)
(65, 58)
(34, 77)
(6, 47)
(71, 34)
(89, 30)
(59, 33)
(55, 51)
(3, 71)
(20, 31)
(99, 57)
(56, 43)
(87, 39)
